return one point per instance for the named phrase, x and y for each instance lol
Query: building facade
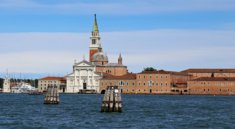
(83, 79)
(124, 82)
(197, 73)
(43, 83)
(146, 82)
(212, 86)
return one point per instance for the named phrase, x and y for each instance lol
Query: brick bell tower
(95, 44)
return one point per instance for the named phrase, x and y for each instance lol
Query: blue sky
(45, 36)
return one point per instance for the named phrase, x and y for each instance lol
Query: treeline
(1, 82)
(33, 82)
(149, 69)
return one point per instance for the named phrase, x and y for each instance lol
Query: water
(139, 112)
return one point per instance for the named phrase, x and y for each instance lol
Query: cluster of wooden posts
(52, 95)
(112, 100)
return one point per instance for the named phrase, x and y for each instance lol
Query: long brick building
(212, 86)
(146, 82)
(191, 81)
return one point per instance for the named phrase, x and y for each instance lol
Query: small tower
(6, 84)
(120, 59)
(95, 44)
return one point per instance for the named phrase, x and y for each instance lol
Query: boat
(35, 93)
(23, 88)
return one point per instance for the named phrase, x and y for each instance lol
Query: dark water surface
(139, 111)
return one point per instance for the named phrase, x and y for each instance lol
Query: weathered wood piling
(52, 95)
(112, 100)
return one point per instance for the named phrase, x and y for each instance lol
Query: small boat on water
(35, 93)
(23, 88)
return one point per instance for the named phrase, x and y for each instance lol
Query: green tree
(1, 82)
(149, 69)
(36, 83)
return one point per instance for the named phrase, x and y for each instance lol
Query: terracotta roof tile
(53, 78)
(164, 72)
(128, 76)
(209, 70)
(215, 79)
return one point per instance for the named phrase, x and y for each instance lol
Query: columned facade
(83, 78)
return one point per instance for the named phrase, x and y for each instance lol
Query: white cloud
(121, 7)
(164, 49)
(14, 42)
(38, 61)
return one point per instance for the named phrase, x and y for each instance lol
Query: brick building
(43, 83)
(196, 73)
(125, 82)
(146, 82)
(212, 86)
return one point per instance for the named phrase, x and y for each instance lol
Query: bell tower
(120, 59)
(95, 44)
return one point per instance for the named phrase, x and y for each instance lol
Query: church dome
(100, 56)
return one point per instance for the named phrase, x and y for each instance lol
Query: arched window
(121, 83)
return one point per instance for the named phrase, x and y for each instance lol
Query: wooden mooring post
(112, 100)
(52, 95)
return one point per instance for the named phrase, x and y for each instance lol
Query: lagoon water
(139, 112)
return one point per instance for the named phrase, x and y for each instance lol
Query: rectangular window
(93, 41)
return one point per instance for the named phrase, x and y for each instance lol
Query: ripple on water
(139, 112)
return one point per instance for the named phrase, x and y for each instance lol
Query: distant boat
(35, 93)
(23, 88)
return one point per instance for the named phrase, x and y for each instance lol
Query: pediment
(84, 64)
(70, 75)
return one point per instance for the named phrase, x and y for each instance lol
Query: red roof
(164, 72)
(53, 78)
(215, 79)
(209, 70)
(155, 72)
(128, 76)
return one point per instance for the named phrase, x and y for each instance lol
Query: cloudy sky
(46, 36)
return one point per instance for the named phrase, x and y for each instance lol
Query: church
(86, 75)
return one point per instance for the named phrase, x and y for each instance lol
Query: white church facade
(84, 78)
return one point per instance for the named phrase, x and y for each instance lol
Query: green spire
(95, 26)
